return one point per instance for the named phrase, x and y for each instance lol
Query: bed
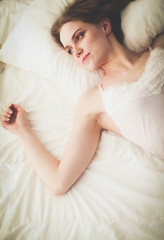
(120, 195)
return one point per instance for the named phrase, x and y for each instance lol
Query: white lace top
(138, 107)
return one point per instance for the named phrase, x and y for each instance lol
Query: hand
(15, 119)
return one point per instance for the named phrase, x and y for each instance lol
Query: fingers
(9, 115)
(11, 119)
(5, 120)
(9, 110)
(12, 108)
(6, 116)
(16, 107)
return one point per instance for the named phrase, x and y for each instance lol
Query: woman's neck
(120, 59)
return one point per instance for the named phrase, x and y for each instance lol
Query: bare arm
(80, 149)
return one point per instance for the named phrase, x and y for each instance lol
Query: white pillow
(10, 14)
(141, 21)
(31, 47)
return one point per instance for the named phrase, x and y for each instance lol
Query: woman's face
(86, 43)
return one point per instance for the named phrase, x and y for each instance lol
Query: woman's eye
(79, 37)
(70, 51)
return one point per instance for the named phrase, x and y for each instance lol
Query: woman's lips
(84, 58)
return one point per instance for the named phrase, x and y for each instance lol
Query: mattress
(119, 196)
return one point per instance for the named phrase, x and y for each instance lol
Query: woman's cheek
(91, 39)
(93, 64)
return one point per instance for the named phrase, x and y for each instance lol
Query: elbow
(59, 190)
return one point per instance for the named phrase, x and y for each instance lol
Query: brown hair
(91, 11)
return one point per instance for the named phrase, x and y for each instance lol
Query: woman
(129, 101)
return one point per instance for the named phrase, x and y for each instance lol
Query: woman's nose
(79, 51)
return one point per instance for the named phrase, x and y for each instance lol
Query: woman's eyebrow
(73, 36)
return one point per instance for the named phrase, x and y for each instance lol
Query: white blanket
(119, 196)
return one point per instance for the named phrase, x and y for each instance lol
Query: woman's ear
(105, 25)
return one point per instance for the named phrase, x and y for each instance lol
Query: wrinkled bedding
(119, 196)
(11, 12)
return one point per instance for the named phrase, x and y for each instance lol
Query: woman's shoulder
(89, 94)
(89, 101)
(158, 41)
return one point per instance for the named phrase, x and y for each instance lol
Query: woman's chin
(91, 67)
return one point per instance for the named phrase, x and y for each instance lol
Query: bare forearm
(80, 150)
(43, 162)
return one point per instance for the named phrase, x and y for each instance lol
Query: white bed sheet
(120, 195)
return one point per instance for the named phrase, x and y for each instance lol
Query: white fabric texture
(11, 13)
(150, 83)
(141, 21)
(31, 47)
(119, 196)
(138, 107)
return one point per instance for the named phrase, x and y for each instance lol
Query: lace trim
(150, 83)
